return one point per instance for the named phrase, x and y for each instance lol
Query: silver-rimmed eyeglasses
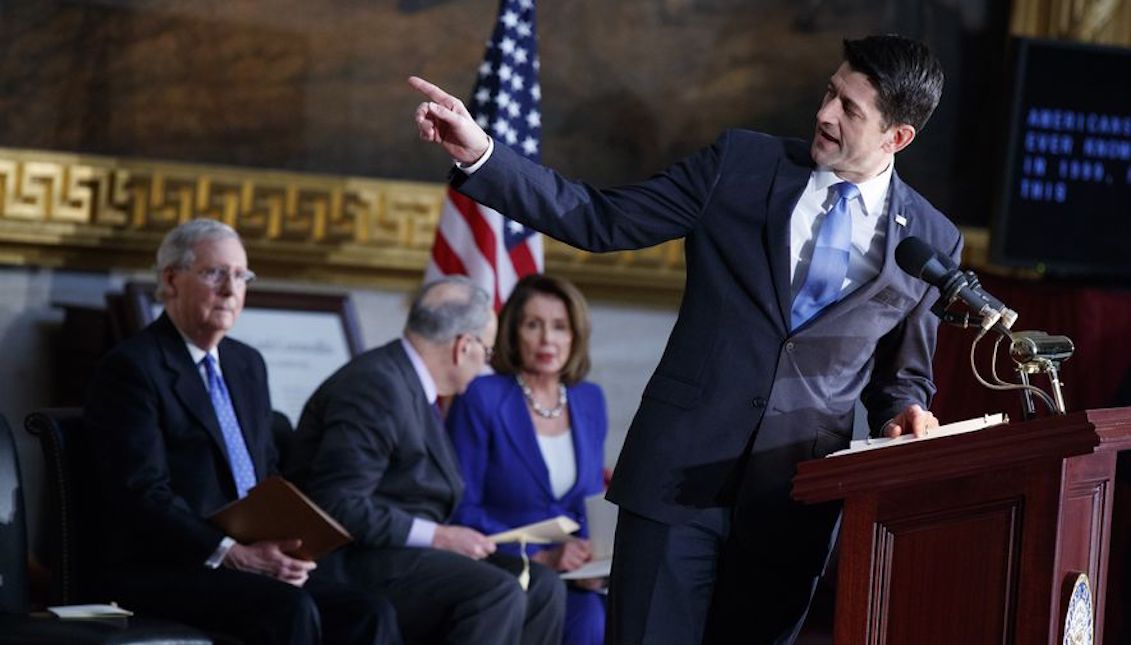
(217, 276)
(488, 351)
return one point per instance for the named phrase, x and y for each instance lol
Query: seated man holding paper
(371, 449)
(531, 437)
(181, 423)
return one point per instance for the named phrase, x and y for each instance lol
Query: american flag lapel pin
(900, 219)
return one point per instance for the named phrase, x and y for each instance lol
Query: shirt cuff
(468, 169)
(421, 533)
(220, 553)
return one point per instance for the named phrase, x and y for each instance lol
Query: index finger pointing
(433, 92)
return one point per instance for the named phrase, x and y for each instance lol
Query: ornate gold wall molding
(91, 212)
(1094, 21)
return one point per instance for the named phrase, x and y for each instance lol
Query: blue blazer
(506, 483)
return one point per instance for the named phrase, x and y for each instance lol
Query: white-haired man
(181, 422)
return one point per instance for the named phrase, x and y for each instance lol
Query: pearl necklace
(545, 413)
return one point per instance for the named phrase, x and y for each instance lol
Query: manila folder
(555, 529)
(276, 510)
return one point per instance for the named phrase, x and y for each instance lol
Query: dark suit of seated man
(182, 422)
(371, 449)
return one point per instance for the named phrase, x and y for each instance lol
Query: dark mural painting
(627, 85)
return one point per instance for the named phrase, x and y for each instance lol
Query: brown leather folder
(276, 510)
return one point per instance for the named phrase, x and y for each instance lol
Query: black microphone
(923, 261)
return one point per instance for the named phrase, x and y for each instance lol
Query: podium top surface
(1049, 438)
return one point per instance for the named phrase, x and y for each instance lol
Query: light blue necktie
(238, 458)
(829, 265)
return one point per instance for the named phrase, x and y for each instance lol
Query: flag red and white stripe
(471, 239)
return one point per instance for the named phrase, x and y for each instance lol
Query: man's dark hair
(907, 77)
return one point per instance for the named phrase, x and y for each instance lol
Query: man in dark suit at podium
(794, 310)
(181, 422)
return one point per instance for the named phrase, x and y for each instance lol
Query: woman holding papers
(530, 438)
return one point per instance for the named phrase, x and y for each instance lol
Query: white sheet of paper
(601, 516)
(89, 611)
(958, 427)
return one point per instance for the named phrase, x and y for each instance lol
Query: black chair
(68, 545)
(70, 506)
(13, 535)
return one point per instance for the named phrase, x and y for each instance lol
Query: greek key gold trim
(80, 211)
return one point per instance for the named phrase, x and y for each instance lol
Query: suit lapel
(581, 448)
(188, 386)
(789, 181)
(898, 224)
(519, 430)
(433, 434)
(439, 447)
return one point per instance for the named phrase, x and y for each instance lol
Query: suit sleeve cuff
(421, 533)
(884, 428)
(468, 169)
(220, 553)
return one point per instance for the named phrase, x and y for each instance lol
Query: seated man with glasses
(181, 418)
(372, 451)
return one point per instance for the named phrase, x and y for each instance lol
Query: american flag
(471, 239)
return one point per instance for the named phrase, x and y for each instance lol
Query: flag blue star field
(471, 239)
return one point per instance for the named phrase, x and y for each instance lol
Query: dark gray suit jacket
(736, 387)
(370, 450)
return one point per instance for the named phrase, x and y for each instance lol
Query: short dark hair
(907, 76)
(507, 358)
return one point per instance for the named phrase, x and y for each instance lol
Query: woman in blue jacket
(530, 438)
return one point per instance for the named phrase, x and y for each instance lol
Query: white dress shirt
(869, 227)
(557, 452)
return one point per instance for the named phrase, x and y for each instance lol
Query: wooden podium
(973, 538)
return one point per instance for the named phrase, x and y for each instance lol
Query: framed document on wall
(304, 337)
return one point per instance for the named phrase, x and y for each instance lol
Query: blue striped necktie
(829, 265)
(238, 457)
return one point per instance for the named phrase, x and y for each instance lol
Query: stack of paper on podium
(958, 427)
(601, 516)
(71, 612)
(276, 510)
(555, 529)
